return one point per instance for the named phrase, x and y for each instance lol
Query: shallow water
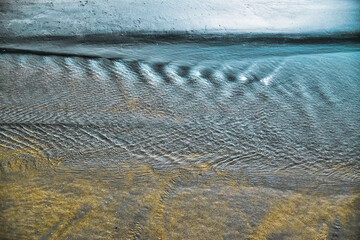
(180, 140)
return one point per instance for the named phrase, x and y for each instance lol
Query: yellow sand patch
(62, 206)
(304, 216)
(134, 200)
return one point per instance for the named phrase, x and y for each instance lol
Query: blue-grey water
(242, 138)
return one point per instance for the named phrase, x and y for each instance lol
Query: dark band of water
(181, 46)
(190, 37)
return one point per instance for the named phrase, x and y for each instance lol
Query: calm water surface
(245, 139)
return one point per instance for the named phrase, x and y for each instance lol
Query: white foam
(170, 71)
(151, 76)
(267, 80)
